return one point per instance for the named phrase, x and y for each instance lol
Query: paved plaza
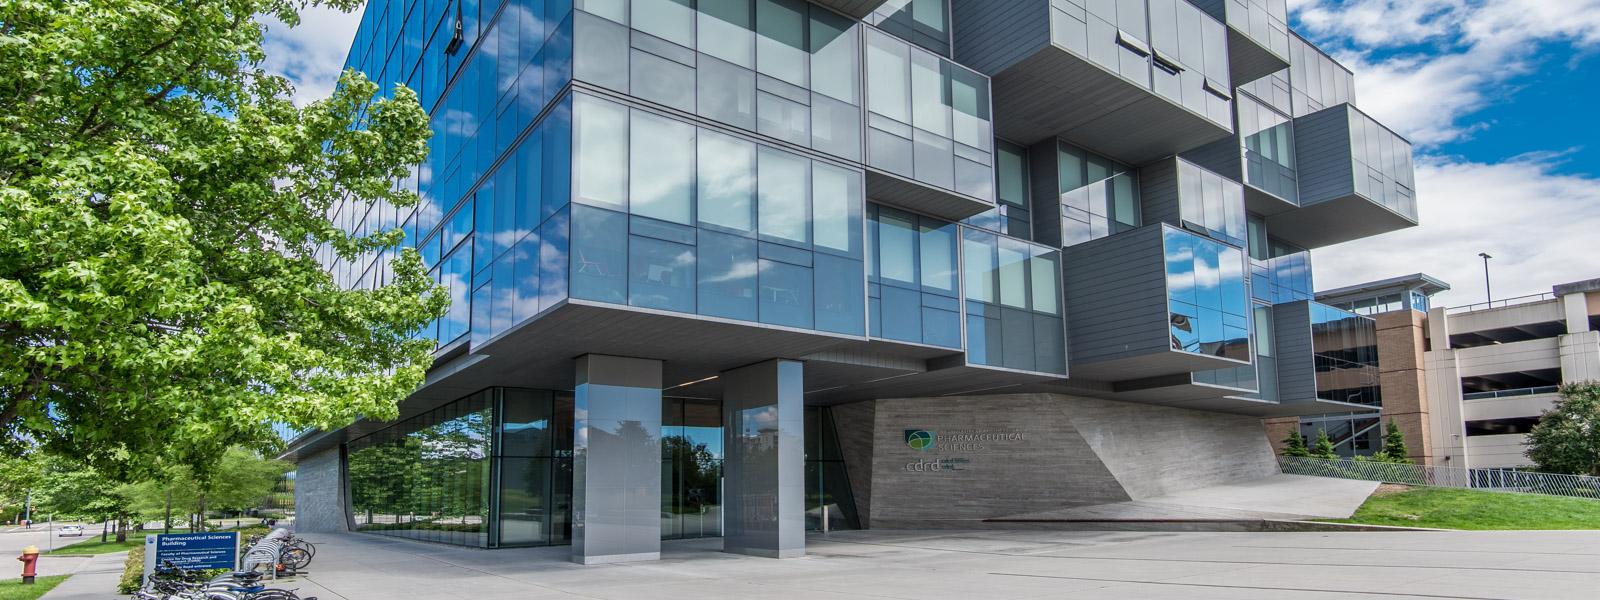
(972, 565)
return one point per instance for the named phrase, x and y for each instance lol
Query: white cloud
(1539, 226)
(310, 55)
(1424, 66)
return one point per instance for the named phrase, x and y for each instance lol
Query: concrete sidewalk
(95, 578)
(926, 565)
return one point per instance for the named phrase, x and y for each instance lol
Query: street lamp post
(1487, 294)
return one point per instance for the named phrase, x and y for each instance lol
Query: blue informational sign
(192, 550)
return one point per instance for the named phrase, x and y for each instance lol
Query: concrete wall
(319, 494)
(1037, 452)
(1490, 451)
(855, 424)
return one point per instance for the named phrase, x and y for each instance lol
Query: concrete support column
(764, 482)
(616, 460)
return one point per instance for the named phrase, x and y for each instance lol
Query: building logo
(920, 439)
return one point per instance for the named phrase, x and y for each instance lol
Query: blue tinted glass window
(839, 294)
(600, 153)
(727, 286)
(661, 274)
(783, 184)
(599, 255)
(781, 40)
(553, 258)
(836, 203)
(785, 294)
(662, 168)
(726, 184)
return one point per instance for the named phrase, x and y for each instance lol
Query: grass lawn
(12, 589)
(95, 546)
(1446, 508)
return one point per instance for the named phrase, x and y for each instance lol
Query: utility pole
(1488, 295)
(27, 510)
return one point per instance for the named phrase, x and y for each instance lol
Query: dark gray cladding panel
(1158, 192)
(1044, 174)
(1224, 157)
(990, 35)
(1297, 369)
(1323, 155)
(1116, 293)
(854, 8)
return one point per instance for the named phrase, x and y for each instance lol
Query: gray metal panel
(1224, 157)
(1159, 192)
(990, 35)
(764, 463)
(929, 200)
(1116, 296)
(1323, 155)
(1297, 370)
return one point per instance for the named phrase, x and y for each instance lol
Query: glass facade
(1099, 196)
(1013, 214)
(427, 477)
(1211, 203)
(928, 118)
(925, 23)
(781, 68)
(675, 217)
(691, 468)
(827, 484)
(494, 470)
(1383, 170)
(1316, 81)
(1206, 298)
(1012, 292)
(914, 280)
(1268, 136)
(1345, 345)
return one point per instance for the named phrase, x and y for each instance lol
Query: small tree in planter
(1324, 447)
(1295, 445)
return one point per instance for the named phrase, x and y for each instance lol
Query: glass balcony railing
(1513, 393)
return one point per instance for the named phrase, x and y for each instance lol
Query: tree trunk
(103, 525)
(122, 529)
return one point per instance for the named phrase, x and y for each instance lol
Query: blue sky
(1494, 94)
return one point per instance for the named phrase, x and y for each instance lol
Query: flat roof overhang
(1343, 219)
(1053, 93)
(1155, 364)
(1300, 408)
(923, 198)
(1265, 203)
(1248, 60)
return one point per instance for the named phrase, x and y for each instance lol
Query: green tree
(164, 211)
(1324, 446)
(1567, 438)
(1394, 446)
(1295, 444)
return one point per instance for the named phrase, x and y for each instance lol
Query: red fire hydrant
(30, 563)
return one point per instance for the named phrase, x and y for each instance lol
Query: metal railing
(1502, 303)
(1493, 480)
(1528, 391)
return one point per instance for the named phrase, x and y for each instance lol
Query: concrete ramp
(1273, 498)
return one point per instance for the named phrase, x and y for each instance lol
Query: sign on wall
(941, 444)
(216, 550)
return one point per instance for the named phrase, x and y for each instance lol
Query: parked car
(67, 530)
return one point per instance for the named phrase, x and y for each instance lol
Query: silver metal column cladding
(616, 460)
(764, 465)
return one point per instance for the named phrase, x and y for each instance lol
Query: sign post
(216, 550)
